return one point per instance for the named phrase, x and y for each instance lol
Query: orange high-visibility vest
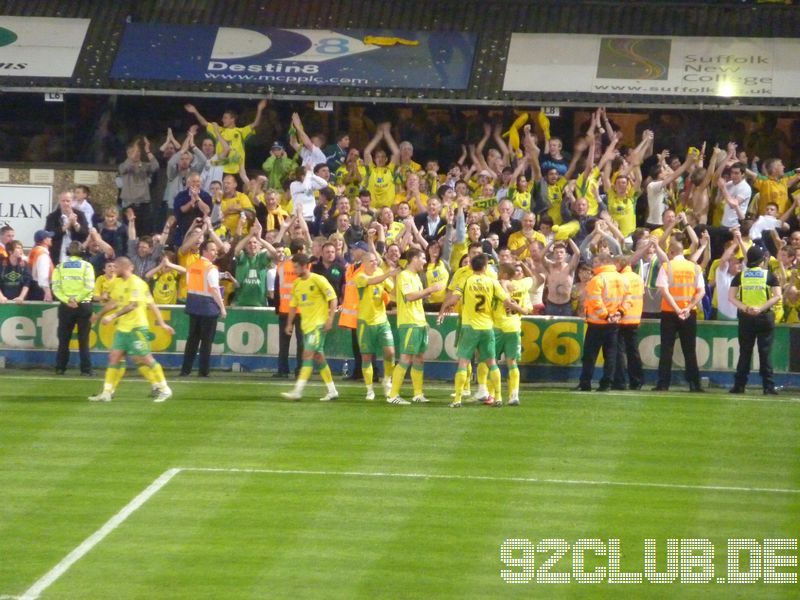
(633, 315)
(348, 317)
(36, 252)
(605, 295)
(682, 275)
(199, 298)
(196, 280)
(286, 276)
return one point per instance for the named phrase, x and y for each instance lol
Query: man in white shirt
(727, 269)
(308, 147)
(80, 201)
(657, 190)
(736, 194)
(771, 221)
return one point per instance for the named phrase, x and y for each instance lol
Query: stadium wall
(248, 340)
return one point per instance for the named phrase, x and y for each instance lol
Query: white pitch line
(644, 484)
(784, 399)
(86, 546)
(98, 536)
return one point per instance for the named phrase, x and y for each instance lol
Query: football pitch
(229, 491)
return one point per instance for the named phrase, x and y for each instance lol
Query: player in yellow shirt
(508, 324)
(316, 300)
(374, 332)
(412, 327)
(452, 300)
(233, 135)
(479, 293)
(130, 299)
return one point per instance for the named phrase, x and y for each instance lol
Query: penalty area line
(499, 479)
(49, 578)
(98, 536)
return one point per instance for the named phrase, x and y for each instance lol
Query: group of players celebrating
(489, 308)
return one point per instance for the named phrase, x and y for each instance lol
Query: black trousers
(283, 344)
(752, 329)
(597, 337)
(68, 319)
(201, 336)
(628, 358)
(671, 328)
(357, 372)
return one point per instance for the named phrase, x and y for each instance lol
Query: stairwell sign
(295, 57)
(40, 46)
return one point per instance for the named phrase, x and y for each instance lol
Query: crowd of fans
(525, 201)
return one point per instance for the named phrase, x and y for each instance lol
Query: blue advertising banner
(305, 57)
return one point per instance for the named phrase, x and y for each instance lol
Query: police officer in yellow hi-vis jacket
(73, 286)
(754, 292)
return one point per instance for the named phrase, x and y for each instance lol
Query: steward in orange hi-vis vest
(682, 289)
(628, 358)
(286, 275)
(606, 303)
(348, 317)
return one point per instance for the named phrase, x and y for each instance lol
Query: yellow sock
(494, 375)
(461, 376)
(417, 374)
(483, 374)
(397, 379)
(114, 375)
(325, 373)
(305, 372)
(468, 378)
(367, 371)
(388, 367)
(146, 372)
(158, 374)
(513, 380)
(490, 386)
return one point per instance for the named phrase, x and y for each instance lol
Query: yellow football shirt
(518, 240)
(409, 312)
(102, 285)
(235, 136)
(589, 188)
(622, 209)
(165, 290)
(520, 292)
(555, 194)
(380, 183)
(238, 203)
(478, 295)
(312, 296)
(371, 308)
(133, 290)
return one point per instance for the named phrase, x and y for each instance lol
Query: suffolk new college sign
(654, 65)
(296, 57)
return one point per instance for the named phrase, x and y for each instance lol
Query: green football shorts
(374, 338)
(508, 343)
(134, 343)
(413, 339)
(472, 340)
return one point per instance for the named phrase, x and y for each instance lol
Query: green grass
(67, 466)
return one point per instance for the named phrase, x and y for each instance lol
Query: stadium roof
(493, 20)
